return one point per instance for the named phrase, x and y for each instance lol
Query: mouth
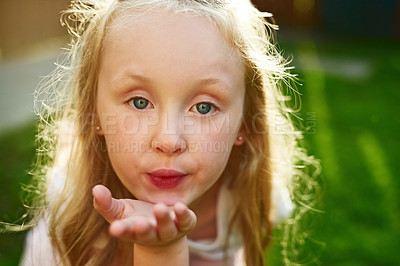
(166, 178)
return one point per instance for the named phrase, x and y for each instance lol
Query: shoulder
(38, 249)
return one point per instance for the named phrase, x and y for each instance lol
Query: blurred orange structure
(24, 22)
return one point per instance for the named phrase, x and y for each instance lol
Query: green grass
(356, 138)
(17, 151)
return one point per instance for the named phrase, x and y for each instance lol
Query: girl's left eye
(205, 108)
(139, 103)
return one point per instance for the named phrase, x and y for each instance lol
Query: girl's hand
(141, 222)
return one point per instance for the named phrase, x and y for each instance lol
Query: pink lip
(166, 178)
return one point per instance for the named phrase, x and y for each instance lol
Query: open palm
(141, 222)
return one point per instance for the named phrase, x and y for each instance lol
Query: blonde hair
(68, 139)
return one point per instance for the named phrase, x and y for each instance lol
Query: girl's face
(170, 104)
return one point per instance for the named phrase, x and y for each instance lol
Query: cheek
(137, 124)
(117, 149)
(122, 148)
(128, 124)
(224, 129)
(127, 129)
(211, 157)
(221, 139)
(213, 147)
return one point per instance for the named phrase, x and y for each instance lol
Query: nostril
(169, 147)
(182, 147)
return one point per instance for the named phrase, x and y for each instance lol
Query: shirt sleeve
(38, 250)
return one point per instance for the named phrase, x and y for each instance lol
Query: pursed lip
(167, 173)
(166, 178)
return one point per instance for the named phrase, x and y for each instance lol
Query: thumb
(111, 209)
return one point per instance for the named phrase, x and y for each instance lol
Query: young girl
(166, 138)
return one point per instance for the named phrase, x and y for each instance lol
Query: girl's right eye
(139, 103)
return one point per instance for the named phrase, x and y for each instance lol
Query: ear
(99, 131)
(240, 138)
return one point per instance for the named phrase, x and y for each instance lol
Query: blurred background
(347, 58)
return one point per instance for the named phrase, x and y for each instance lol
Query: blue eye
(203, 108)
(139, 103)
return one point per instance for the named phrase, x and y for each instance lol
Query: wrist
(175, 253)
(178, 244)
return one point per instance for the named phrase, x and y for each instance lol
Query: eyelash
(134, 106)
(214, 108)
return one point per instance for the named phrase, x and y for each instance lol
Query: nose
(169, 146)
(167, 137)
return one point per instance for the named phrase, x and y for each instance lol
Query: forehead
(163, 18)
(183, 35)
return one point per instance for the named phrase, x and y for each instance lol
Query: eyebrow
(121, 81)
(213, 81)
(122, 78)
(222, 87)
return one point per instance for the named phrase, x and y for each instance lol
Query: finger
(185, 218)
(145, 230)
(166, 227)
(137, 229)
(120, 228)
(111, 209)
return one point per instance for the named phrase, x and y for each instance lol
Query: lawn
(352, 88)
(350, 107)
(17, 150)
